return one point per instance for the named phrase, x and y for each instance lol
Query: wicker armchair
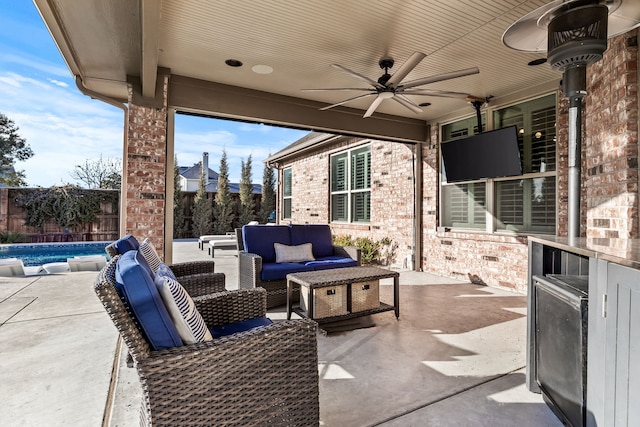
(264, 376)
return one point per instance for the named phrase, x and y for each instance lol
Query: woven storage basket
(365, 295)
(327, 302)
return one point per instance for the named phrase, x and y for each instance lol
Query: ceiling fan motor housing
(577, 36)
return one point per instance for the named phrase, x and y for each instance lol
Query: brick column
(145, 169)
(611, 141)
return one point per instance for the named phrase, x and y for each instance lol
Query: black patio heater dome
(574, 33)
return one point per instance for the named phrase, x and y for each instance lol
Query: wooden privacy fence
(13, 217)
(106, 226)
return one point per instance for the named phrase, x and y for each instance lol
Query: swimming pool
(35, 254)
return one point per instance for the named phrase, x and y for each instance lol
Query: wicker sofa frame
(264, 376)
(250, 268)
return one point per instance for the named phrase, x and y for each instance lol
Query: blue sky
(65, 128)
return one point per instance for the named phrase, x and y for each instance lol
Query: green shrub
(69, 206)
(11, 237)
(373, 252)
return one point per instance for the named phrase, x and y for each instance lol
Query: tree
(268, 203)
(202, 210)
(13, 148)
(104, 173)
(178, 211)
(223, 208)
(247, 203)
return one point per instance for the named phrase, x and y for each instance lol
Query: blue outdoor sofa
(270, 252)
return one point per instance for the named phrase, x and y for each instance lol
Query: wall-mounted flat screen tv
(492, 154)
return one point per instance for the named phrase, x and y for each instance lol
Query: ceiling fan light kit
(391, 87)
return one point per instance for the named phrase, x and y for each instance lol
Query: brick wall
(392, 197)
(611, 141)
(146, 167)
(391, 193)
(496, 260)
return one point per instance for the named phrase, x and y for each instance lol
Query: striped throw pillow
(150, 254)
(183, 311)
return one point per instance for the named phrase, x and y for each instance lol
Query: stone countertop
(620, 251)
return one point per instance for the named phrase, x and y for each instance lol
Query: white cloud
(58, 83)
(64, 128)
(18, 81)
(26, 60)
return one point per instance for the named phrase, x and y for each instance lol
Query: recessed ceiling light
(233, 63)
(262, 69)
(424, 104)
(538, 61)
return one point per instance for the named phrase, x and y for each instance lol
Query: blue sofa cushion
(279, 271)
(241, 326)
(126, 244)
(331, 262)
(319, 235)
(259, 240)
(136, 285)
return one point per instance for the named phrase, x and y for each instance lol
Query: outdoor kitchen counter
(619, 251)
(612, 268)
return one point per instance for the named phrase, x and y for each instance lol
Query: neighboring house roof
(309, 141)
(193, 172)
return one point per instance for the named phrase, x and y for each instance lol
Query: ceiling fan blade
(441, 77)
(372, 108)
(361, 89)
(407, 103)
(405, 69)
(347, 100)
(433, 92)
(358, 75)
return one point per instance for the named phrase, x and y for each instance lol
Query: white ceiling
(105, 41)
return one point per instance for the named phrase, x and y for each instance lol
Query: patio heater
(576, 37)
(574, 33)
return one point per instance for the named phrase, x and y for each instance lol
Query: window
(466, 205)
(351, 185)
(286, 193)
(525, 203)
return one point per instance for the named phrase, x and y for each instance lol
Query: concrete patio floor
(456, 357)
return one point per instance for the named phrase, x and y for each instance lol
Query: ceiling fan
(391, 87)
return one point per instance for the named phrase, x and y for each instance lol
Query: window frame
(493, 225)
(347, 192)
(287, 197)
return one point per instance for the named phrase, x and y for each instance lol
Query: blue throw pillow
(126, 244)
(319, 235)
(137, 287)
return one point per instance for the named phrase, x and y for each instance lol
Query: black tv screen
(492, 154)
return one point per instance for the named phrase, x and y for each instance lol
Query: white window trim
(289, 168)
(349, 191)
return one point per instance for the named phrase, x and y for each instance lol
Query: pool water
(43, 253)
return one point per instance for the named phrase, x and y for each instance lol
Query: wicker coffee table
(344, 286)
